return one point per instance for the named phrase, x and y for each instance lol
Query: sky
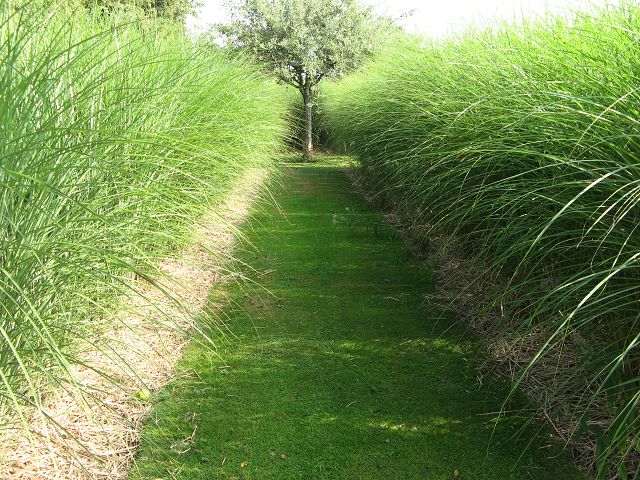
(434, 18)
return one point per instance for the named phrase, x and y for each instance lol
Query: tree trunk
(308, 124)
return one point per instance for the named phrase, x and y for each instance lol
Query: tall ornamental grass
(523, 142)
(115, 135)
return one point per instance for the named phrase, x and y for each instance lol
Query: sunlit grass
(523, 143)
(336, 363)
(116, 135)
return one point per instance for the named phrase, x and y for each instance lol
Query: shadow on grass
(337, 370)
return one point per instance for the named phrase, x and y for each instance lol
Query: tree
(304, 41)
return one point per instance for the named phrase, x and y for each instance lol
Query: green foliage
(524, 142)
(301, 41)
(337, 364)
(114, 140)
(175, 10)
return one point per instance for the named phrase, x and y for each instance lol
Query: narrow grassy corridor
(337, 369)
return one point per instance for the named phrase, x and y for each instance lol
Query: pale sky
(435, 18)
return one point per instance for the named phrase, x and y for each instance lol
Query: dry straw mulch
(89, 427)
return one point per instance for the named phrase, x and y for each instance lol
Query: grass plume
(116, 135)
(522, 141)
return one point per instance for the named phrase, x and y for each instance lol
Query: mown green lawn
(337, 368)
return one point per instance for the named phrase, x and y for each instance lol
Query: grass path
(341, 369)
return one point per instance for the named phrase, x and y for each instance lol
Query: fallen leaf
(244, 464)
(283, 456)
(456, 473)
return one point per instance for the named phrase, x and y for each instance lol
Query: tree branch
(318, 78)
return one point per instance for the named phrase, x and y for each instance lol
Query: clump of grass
(522, 142)
(117, 134)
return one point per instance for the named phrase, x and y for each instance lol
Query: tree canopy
(303, 41)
